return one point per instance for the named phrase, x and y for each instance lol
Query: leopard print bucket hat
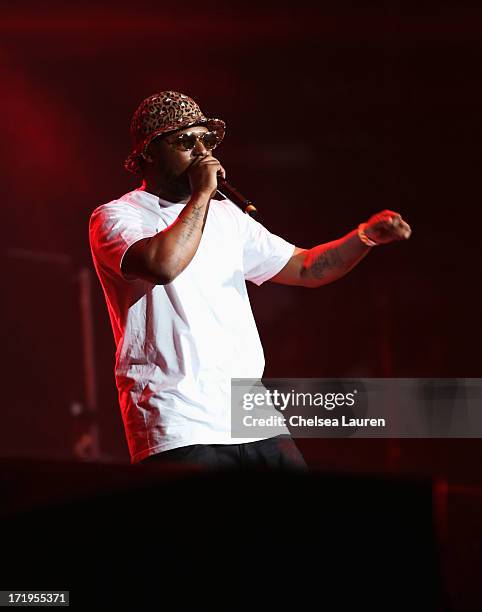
(164, 112)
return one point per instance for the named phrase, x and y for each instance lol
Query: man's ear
(146, 157)
(151, 151)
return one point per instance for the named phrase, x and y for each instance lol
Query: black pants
(277, 453)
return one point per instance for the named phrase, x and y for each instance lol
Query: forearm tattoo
(325, 262)
(191, 222)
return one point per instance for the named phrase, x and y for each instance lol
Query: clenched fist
(387, 226)
(203, 173)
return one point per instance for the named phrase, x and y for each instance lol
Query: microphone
(230, 192)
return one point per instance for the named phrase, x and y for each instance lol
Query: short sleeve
(264, 254)
(113, 228)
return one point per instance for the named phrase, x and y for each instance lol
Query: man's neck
(166, 192)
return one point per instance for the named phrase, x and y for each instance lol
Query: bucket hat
(167, 111)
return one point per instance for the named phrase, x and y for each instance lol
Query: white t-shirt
(179, 345)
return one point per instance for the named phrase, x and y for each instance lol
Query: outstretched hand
(387, 226)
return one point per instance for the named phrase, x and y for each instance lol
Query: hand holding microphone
(208, 176)
(203, 175)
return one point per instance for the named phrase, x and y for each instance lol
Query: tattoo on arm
(191, 222)
(325, 262)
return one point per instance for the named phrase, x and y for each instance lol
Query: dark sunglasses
(188, 140)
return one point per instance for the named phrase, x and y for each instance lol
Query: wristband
(363, 237)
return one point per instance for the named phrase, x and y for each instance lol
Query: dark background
(334, 110)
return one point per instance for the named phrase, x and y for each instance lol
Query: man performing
(173, 263)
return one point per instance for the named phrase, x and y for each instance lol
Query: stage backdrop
(334, 112)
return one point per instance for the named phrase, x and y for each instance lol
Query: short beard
(178, 186)
(183, 184)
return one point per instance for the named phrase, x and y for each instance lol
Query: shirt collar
(154, 201)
